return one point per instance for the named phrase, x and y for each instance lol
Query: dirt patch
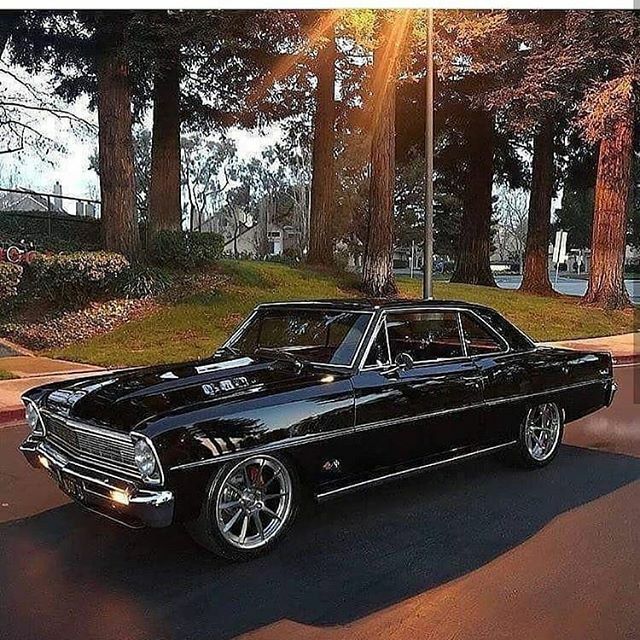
(66, 327)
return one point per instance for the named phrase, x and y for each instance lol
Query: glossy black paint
(370, 420)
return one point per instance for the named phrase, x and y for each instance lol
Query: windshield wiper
(278, 353)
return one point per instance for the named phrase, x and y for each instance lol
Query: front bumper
(115, 497)
(611, 391)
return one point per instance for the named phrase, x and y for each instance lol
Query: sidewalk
(33, 371)
(625, 348)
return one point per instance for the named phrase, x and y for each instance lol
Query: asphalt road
(475, 551)
(568, 285)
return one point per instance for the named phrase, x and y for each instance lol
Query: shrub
(10, 276)
(141, 281)
(76, 277)
(186, 249)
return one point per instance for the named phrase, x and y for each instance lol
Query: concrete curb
(11, 416)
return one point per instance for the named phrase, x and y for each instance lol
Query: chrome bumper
(115, 497)
(611, 392)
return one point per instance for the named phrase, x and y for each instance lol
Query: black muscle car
(325, 396)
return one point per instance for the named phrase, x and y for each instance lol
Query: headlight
(145, 460)
(32, 416)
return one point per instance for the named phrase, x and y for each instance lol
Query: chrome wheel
(254, 502)
(542, 431)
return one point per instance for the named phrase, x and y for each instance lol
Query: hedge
(186, 249)
(76, 277)
(10, 276)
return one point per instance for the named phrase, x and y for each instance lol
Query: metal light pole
(427, 280)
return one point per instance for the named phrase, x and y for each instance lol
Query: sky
(70, 165)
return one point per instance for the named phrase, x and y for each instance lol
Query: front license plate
(72, 487)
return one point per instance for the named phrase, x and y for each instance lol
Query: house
(258, 240)
(29, 201)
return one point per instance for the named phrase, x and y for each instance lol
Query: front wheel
(540, 435)
(249, 506)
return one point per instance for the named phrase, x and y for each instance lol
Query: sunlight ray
(287, 63)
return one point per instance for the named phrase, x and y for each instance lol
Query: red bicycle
(20, 253)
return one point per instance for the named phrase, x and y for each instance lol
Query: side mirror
(403, 361)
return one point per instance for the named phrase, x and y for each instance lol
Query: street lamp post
(427, 280)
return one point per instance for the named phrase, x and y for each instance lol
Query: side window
(425, 335)
(379, 352)
(477, 339)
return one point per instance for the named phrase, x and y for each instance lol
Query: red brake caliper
(255, 476)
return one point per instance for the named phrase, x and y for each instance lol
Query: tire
(236, 519)
(13, 254)
(538, 449)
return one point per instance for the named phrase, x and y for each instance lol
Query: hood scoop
(63, 400)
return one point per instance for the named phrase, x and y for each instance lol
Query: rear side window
(516, 340)
(478, 340)
(424, 335)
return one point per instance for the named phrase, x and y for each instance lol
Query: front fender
(192, 445)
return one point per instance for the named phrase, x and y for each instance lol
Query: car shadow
(67, 574)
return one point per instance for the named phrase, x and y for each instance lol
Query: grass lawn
(196, 326)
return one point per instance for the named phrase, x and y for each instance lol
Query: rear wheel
(248, 508)
(540, 435)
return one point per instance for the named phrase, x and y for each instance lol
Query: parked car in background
(320, 397)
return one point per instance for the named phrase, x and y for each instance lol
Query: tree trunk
(165, 210)
(117, 181)
(608, 241)
(536, 261)
(322, 185)
(474, 247)
(377, 274)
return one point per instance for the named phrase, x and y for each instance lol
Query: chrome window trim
(137, 434)
(411, 470)
(457, 310)
(380, 322)
(299, 440)
(461, 333)
(300, 307)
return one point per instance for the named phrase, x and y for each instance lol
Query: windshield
(316, 335)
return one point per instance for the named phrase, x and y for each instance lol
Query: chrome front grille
(93, 445)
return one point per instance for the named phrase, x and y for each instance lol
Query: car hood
(122, 400)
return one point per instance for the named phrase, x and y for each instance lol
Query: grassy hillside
(196, 326)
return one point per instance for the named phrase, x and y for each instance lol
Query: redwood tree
(377, 277)
(322, 184)
(606, 279)
(165, 211)
(117, 182)
(536, 261)
(474, 247)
